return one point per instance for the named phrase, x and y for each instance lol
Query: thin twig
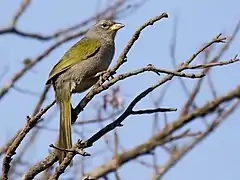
(212, 64)
(21, 10)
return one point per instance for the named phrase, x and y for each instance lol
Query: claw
(100, 75)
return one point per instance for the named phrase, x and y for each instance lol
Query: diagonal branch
(159, 138)
(21, 10)
(177, 156)
(31, 122)
(151, 111)
(106, 13)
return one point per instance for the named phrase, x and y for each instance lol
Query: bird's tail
(65, 134)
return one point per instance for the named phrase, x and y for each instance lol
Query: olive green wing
(82, 50)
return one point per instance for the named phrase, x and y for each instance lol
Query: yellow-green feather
(65, 134)
(82, 50)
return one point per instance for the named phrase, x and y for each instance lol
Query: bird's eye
(104, 25)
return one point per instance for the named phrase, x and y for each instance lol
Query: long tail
(65, 134)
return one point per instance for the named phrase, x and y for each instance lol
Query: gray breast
(106, 55)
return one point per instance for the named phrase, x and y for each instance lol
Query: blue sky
(198, 22)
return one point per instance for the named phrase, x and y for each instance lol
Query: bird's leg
(100, 75)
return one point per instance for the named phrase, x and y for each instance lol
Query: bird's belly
(83, 85)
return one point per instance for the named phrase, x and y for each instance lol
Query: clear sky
(198, 21)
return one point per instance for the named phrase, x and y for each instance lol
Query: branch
(196, 89)
(160, 137)
(151, 111)
(217, 39)
(150, 67)
(178, 155)
(14, 30)
(31, 122)
(78, 151)
(36, 110)
(213, 64)
(95, 120)
(111, 10)
(131, 42)
(107, 13)
(21, 10)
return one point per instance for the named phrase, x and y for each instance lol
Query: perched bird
(76, 72)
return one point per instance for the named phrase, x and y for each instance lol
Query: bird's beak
(116, 26)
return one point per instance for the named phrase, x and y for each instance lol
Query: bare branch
(106, 13)
(160, 137)
(31, 122)
(157, 71)
(177, 156)
(217, 39)
(212, 64)
(196, 89)
(21, 10)
(151, 111)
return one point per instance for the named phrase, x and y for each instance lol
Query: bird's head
(105, 29)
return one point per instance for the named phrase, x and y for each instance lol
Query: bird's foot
(101, 74)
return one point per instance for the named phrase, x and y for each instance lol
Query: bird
(77, 71)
